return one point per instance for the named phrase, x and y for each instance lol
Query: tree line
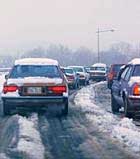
(120, 52)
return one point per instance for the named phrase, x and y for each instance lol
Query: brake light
(10, 88)
(136, 90)
(57, 89)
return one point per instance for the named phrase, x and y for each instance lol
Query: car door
(124, 83)
(125, 86)
(117, 86)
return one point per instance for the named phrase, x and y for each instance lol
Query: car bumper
(133, 104)
(98, 77)
(39, 101)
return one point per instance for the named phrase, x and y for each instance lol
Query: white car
(98, 71)
(83, 75)
(35, 82)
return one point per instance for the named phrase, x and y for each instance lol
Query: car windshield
(97, 68)
(78, 69)
(67, 70)
(21, 71)
(136, 70)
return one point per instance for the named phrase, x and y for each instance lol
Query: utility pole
(98, 40)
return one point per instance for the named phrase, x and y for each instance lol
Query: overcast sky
(30, 23)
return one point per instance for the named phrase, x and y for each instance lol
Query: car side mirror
(77, 74)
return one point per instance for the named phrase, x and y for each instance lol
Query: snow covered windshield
(21, 71)
(97, 68)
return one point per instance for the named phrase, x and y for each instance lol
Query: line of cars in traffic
(81, 75)
(41, 82)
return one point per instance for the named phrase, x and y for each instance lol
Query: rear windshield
(116, 68)
(136, 70)
(68, 71)
(21, 71)
(97, 68)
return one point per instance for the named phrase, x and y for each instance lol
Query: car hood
(34, 80)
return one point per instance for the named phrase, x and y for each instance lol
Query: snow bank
(29, 138)
(3, 156)
(122, 129)
(126, 132)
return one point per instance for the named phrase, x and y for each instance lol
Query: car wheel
(126, 110)
(115, 107)
(65, 110)
(6, 109)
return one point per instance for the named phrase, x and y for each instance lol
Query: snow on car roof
(135, 61)
(36, 61)
(76, 66)
(99, 65)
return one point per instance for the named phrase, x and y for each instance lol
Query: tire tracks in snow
(20, 138)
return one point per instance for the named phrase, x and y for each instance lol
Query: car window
(21, 71)
(128, 73)
(124, 73)
(136, 71)
(78, 69)
(116, 68)
(67, 70)
(98, 68)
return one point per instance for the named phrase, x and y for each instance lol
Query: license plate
(34, 90)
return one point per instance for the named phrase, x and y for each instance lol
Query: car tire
(114, 106)
(6, 109)
(126, 109)
(65, 110)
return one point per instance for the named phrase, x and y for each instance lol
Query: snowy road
(89, 131)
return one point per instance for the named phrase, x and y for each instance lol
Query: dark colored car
(112, 73)
(125, 91)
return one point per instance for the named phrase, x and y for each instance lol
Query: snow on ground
(29, 138)
(122, 129)
(3, 156)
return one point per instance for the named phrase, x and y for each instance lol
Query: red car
(114, 69)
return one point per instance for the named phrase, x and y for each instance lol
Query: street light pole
(98, 44)
(98, 40)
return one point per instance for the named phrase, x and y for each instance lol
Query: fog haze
(31, 23)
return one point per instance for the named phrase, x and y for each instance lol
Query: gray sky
(30, 23)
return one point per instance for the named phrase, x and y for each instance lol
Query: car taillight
(136, 90)
(57, 89)
(10, 88)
